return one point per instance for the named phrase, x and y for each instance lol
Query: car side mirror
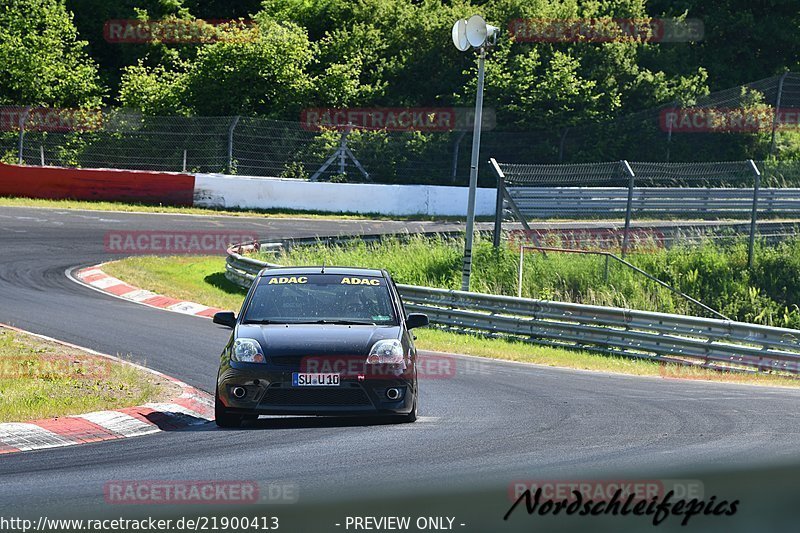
(225, 318)
(416, 320)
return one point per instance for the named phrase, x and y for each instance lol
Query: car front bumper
(270, 392)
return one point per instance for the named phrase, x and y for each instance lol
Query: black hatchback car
(319, 341)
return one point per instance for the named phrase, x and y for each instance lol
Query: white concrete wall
(219, 190)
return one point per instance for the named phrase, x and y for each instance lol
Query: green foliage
(91, 17)
(260, 70)
(42, 62)
(744, 40)
(375, 52)
(398, 53)
(295, 171)
(565, 84)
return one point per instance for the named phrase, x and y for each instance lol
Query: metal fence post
(519, 274)
(754, 215)
(777, 111)
(498, 207)
(22, 120)
(626, 234)
(456, 146)
(230, 143)
(669, 139)
(343, 151)
(513, 207)
(561, 144)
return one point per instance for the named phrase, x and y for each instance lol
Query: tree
(539, 85)
(41, 60)
(92, 16)
(744, 40)
(260, 70)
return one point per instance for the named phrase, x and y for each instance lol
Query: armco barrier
(57, 183)
(610, 330)
(546, 202)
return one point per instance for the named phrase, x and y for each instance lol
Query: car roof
(336, 271)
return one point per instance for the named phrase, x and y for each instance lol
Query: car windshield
(321, 298)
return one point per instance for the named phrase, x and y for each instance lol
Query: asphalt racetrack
(489, 424)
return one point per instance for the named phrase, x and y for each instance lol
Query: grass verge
(44, 379)
(196, 279)
(713, 271)
(201, 279)
(271, 213)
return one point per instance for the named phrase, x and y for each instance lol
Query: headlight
(247, 351)
(386, 352)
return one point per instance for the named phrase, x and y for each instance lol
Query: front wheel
(410, 417)
(222, 418)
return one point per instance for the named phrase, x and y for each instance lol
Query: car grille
(322, 396)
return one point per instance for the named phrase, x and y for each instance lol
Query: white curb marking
(30, 437)
(104, 283)
(138, 295)
(179, 411)
(120, 423)
(189, 308)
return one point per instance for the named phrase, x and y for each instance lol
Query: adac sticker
(288, 279)
(360, 281)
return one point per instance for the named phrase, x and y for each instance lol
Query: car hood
(285, 340)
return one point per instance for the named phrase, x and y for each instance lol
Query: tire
(222, 418)
(410, 417)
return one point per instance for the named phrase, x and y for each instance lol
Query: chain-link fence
(760, 120)
(232, 145)
(752, 121)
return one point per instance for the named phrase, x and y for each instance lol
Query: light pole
(473, 33)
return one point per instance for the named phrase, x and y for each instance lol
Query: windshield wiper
(343, 322)
(321, 321)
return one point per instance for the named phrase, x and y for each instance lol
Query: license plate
(300, 379)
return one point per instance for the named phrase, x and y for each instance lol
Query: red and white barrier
(242, 192)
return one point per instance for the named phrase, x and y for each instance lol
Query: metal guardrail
(609, 330)
(546, 202)
(695, 189)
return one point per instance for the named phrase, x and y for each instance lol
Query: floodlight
(460, 35)
(478, 32)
